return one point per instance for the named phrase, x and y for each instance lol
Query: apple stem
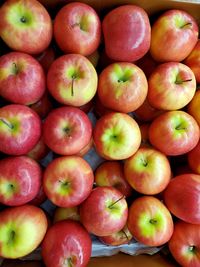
(7, 123)
(153, 221)
(182, 81)
(110, 206)
(72, 85)
(11, 236)
(69, 260)
(15, 69)
(187, 24)
(125, 234)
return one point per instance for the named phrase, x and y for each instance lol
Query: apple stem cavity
(153, 221)
(11, 237)
(7, 123)
(15, 69)
(182, 81)
(23, 19)
(191, 249)
(111, 205)
(180, 127)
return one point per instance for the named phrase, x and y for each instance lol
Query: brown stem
(125, 234)
(183, 81)
(72, 85)
(187, 24)
(7, 123)
(110, 206)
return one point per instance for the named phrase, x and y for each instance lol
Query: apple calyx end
(192, 249)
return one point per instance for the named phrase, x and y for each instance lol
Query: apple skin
(148, 171)
(99, 108)
(185, 244)
(25, 26)
(176, 32)
(194, 159)
(116, 136)
(111, 173)
(20, 180)
(149, 221)
(20, 129)
(67, 130)
(193, 107)
(144, 129)
(81, 32)
(127, 33)
(39, 198)
(22, 229)
(94, 58)
(122, 87)
(86, 149)
(182, 197)
(66, 243)
(16, 71)
(61, 214)
(46, 58)
(68, 181)
(104, 212)
(39, 151)
(174, 133)
(147, 64)
(72, 80)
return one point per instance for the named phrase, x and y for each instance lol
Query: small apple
(61, 214)
(99, 108)
(39, 151)
(46, 58)
(43, 106)
(39, 198)
(194, 159)
(193, 107)
(144, 129)
(147, 64)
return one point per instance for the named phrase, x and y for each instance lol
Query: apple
(182, 197)
(81, 31)
(144, 129)
(20, 129)
(20, 180)
(43, 106)
(111, 173)
(25, 26)
(193, 107)
(104, 212)
(87, 107)
(122, 87)
(22, 229)
(148, 171)
(66, 243)
(127, 33)
(149, 221)
(39, 198)
(67, 130)
(72, 80)
(185, 244)
(46, 58)
(173, 36)
(68, 181)
(174, 133)
(116, 136)
(194, 159)
(94, 58)
(16, 71)
(147, 64)
(39, 151)
(86, 149)
(61, 214)
(99, 108)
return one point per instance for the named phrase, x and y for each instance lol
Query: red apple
(194, 159)
(174, 133)
(46, 58)
(25, 26)
(99, 108)
(22, 229)
(104, 212)
(174, 34)
(20, 129)
(43, 106)
(127, 33)
(67, 130)
(61, 214)
(39, 198)
(149, 221)
(147, 64)
(122, 87)
(39, 151)
(66, 243)
(193, 107)
(68, 181)
(116, 136)
(86, 149)
(72, 80)
(144, 129)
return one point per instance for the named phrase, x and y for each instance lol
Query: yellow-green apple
(185, 244)
(22, 229)
(81, 31)
(94, 58)
(61, 214)
(20, 180)
(194, 159)
(67, 130)
(16, 71)
(174, 133)
(116, 136)
(122, 87)
(25, 26)
(127, 33)
(147, 64)
(66, 243)
(104, 212)
(182, 197)
(172, 86)
(68, 181)
(20, 129)
(173, 36)
(39, 151)
(148, 171)
(46, 58)
(111, 173)
(43, 106)
(72, 80)
(149, 221)
(193, 107)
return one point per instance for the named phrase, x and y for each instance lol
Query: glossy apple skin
(61, 214)
(100, 215)
(194, 159)
(25, 227)
(16, 71)
(67, 130)
(20, 180)
(68, 181)
(175, 40)
(193, 107)
(66, 243)
(122, 87)
(127, 33)
(39, 151)
(116, 136)
(148, 171)
(32, 36)
(144, 210)
(23, 132)
(111, 173)
(182, 197)
(185, 244)
(72, 80)
(174, 133)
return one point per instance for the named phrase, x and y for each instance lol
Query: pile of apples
(140, 80)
